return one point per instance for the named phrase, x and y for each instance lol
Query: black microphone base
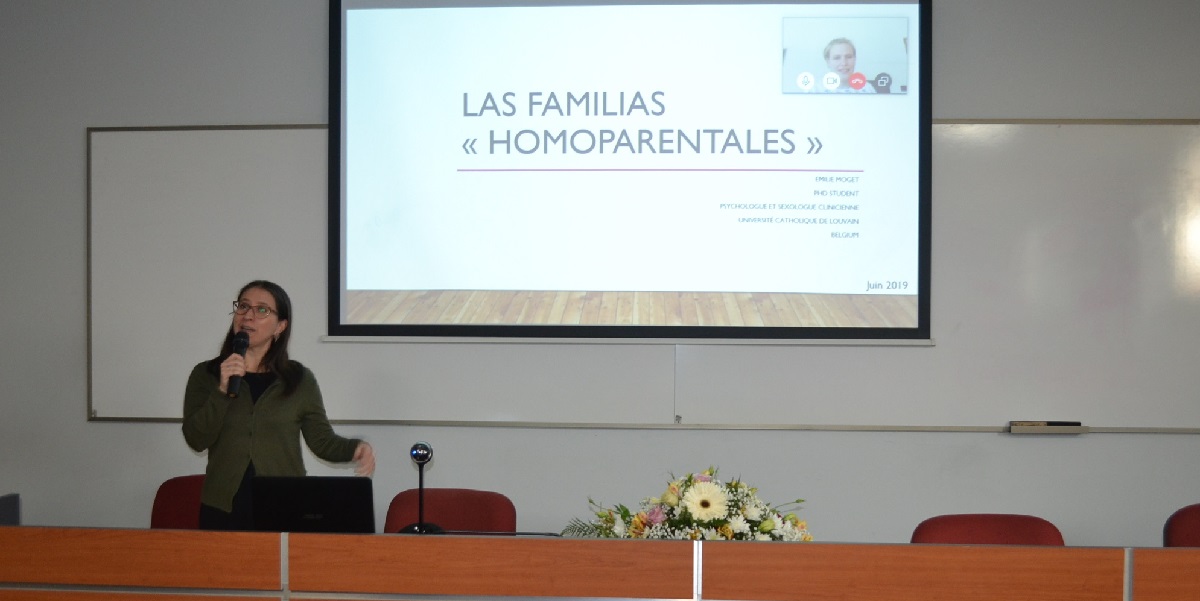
(422, 528)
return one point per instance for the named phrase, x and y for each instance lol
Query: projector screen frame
(616, 332)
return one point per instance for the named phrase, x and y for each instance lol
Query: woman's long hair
(276, 360)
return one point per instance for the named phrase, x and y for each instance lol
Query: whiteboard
(180, 219)
(1065, 286)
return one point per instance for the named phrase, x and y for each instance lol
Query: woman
(841, 56)
(257, 429)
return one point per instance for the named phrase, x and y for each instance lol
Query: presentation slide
(748, 149)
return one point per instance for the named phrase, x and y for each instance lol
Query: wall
(69, 65)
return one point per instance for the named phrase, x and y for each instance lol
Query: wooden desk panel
(1166, 574)
(142, 558)
(63, 563)
(820, 571)
(32, 595)
(458, 565)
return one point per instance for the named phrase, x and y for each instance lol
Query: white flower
(705, 501)
(791, 534)
(762, 537)
(780, 525)
(739, 524)
(619, 527)
(753, 512)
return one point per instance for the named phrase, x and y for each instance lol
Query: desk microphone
(421, 453)
(241, 342)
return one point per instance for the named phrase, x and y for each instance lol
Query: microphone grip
(241, 342)
(235, 382)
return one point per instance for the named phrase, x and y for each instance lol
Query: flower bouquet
(696, 507)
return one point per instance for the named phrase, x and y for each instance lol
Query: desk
(481, 566)
(94, 564)
(1166, 574)
(60, 559)
(821, 571)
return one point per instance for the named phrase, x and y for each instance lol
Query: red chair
(461, 509)
(987, 529)
(1183, 528)
(177, 503)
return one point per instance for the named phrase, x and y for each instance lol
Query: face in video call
(840, 56)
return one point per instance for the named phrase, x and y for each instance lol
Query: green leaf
(578, 528)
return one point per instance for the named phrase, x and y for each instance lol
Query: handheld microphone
(241, 342)
(421, 453)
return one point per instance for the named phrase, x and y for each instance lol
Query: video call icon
(831, 81)
(805, 81)
(883, 83)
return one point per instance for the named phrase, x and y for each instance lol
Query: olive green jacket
(238, 431)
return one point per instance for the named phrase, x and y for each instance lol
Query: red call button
(858, 81)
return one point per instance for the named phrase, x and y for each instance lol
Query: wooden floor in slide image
(746, 309)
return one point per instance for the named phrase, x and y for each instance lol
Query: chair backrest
(1182, 529)
(987, 529)
(177, 503)
(462, 509)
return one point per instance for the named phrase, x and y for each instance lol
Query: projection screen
(614, 171)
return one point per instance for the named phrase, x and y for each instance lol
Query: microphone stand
(421, 453)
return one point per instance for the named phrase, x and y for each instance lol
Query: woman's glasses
(259, 311)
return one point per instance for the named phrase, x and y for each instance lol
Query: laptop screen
(341, 504)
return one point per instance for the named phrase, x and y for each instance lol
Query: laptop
(341, 504)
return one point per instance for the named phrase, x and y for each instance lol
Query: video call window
(845, 55)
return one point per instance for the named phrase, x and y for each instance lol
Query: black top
(258, 383)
